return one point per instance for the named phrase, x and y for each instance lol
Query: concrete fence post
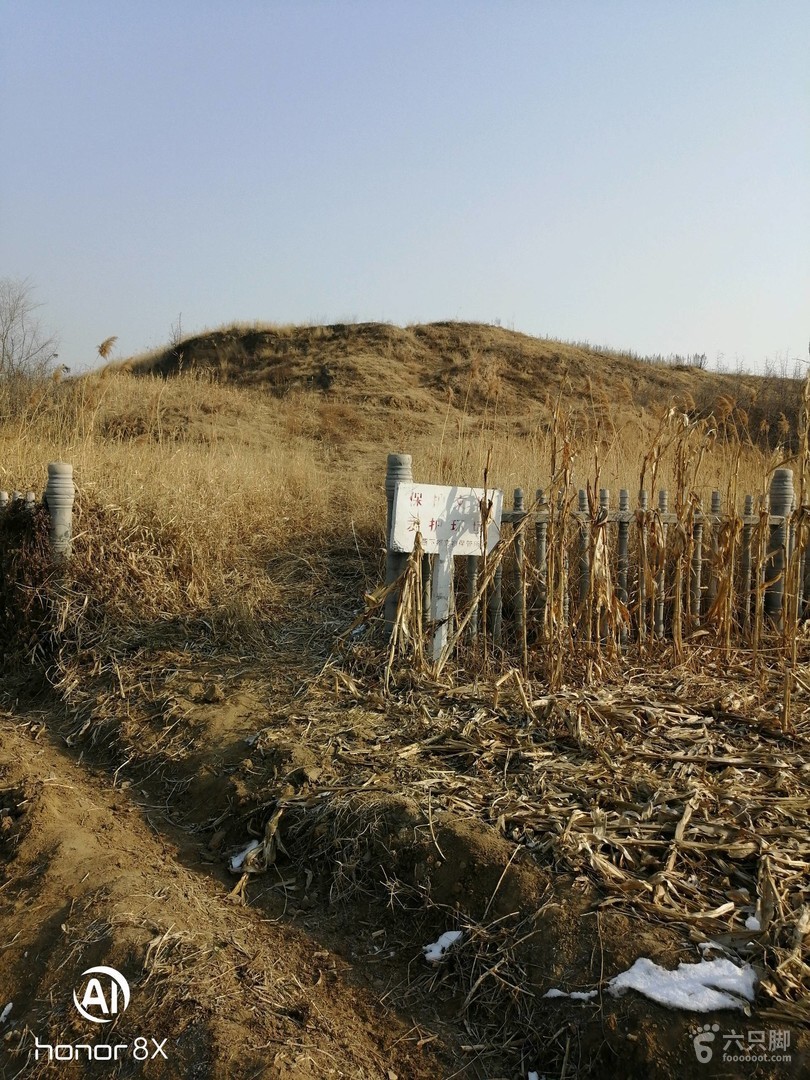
(60, 495)
(584, 550)
(564, 568)
(643, 543)
(623, 544)
(541, 539)
(519, 506)
(781, 500)
(601, 552)
(696, 571)
(805, 577)
(716, 514)
(399, 471)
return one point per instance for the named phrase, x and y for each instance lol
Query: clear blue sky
(636, 174)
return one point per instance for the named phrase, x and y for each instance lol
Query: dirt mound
(464, 367)
(89, 878)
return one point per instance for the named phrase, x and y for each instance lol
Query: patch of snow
(577, 995)
(437, 949)
(752, 923)
(713, 946)
(5, 1012)
(702, 987)
(237, 860)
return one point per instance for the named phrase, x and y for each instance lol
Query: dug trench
(91, 874)
(118, 852)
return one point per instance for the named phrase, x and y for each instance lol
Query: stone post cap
(400, 470)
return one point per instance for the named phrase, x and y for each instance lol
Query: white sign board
(449, 519)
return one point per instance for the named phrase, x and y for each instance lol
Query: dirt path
(116, 855)
(88, 877)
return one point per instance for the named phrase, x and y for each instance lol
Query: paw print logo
(702, 1042)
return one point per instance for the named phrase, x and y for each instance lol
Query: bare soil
(116, 852)
(93, 874)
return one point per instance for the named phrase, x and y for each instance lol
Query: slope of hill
(468, 367)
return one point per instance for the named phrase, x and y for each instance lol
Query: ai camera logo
(101, 995)
(106, 994)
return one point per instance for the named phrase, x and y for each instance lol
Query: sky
(632, 173)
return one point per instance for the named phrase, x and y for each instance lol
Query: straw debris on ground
(616, 775)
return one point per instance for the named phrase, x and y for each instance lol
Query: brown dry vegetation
(230, 447)
(229, 520)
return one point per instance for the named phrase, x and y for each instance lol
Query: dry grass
(691, 580)
(218, 494)
(228, 474)
(214, 506)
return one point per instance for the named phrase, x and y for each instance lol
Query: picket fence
(519, 591)
(517, 598)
